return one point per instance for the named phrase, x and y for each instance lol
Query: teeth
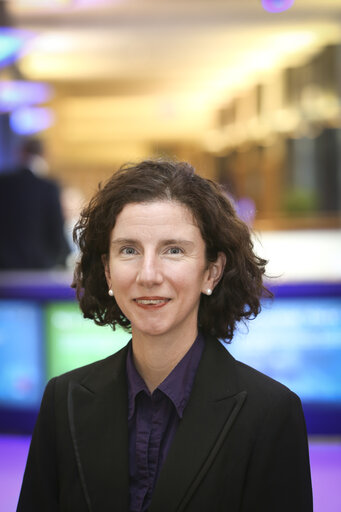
(151, 302)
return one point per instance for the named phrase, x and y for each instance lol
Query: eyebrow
(168, 241)
(177, 241)
(120, 241)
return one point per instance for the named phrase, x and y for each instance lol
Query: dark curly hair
(237, 295)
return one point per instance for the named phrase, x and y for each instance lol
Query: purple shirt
(153, 420)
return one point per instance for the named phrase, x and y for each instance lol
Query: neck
(155, 357)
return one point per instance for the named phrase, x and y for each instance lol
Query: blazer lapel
(99, 427)
(210, 413)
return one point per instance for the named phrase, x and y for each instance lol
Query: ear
(104, 259)
(215, 271)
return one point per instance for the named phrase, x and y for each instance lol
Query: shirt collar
(177, 386)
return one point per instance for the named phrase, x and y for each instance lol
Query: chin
(151, 330)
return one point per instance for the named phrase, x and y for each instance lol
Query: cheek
(121, 278)
(189, 279)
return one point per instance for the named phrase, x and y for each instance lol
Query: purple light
(277, 5)
(13, 451)
(325, 460)
(16, 94)
(246, 210)
(30, 120)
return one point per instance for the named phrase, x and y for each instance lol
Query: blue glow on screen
(21, 354)
(297, 342)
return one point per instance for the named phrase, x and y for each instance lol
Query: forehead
(155, 215)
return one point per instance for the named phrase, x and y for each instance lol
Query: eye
(128, 251)
(175, 250)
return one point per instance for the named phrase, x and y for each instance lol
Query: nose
(149, 274)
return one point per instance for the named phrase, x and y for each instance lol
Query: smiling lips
(151, 302)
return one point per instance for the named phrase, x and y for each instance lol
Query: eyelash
(180, 251)
(124, 249)
(169, 250)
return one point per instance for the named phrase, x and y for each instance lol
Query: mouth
(151, 302)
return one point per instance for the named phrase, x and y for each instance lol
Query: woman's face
(157, 268)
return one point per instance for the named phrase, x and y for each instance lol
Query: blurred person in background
(172, 422)
(31, 218)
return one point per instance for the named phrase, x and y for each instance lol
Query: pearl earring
(208, 291)
(111, 293)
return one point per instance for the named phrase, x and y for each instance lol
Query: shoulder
(9, 177)
(267, 397)
(25, 176)
(269, 404)
(262, 390)
(257, 382)
(6, 176)
(47, 184)
(93, 374)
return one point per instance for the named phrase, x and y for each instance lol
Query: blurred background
(249, 92)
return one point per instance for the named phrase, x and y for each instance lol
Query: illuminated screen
(21, 354)
(73, 341)
(296, 341)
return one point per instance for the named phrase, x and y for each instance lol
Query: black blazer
(241, 445)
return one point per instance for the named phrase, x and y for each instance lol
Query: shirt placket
(144, 421)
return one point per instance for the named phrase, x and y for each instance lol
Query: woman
(171, 422)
